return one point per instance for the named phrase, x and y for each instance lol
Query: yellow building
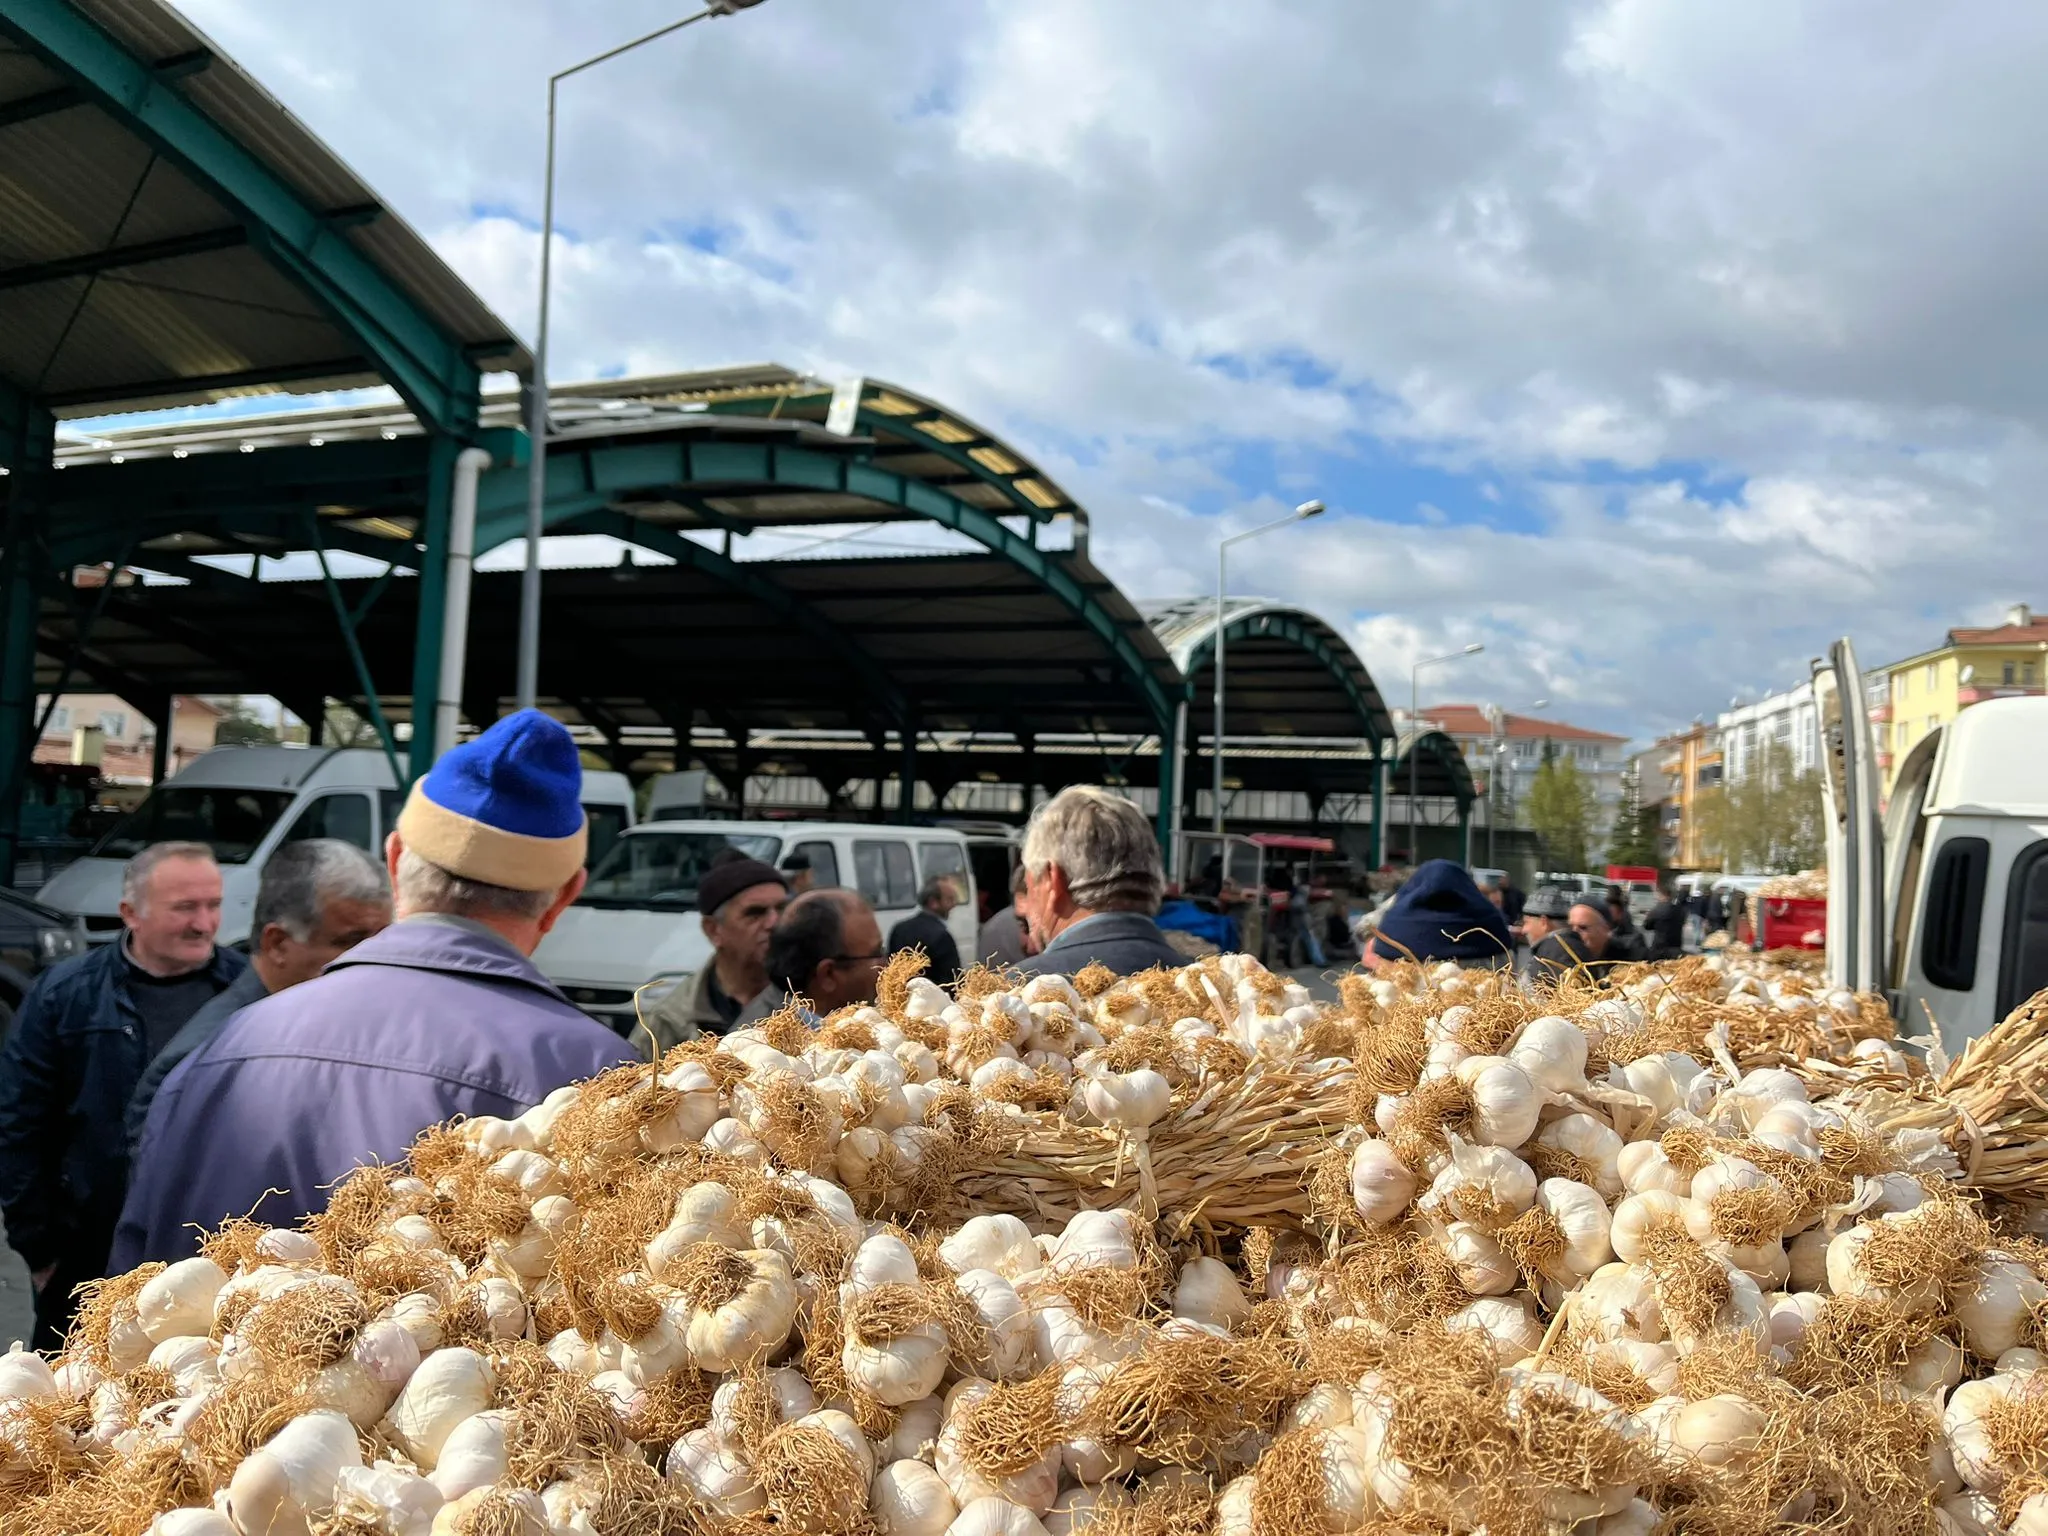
(1675, 774)
(1925, 692)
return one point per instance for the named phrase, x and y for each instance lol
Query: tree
(1634, 839)
(1560, 809)
(1769, 820)
(241, 726)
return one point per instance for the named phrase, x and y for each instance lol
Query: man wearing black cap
(740, 900)
(1543, 912)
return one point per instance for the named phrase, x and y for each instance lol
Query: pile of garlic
(1560, 1274)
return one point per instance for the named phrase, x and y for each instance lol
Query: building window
(2010, 670)
(2027, 674)
(60, 719)
(1931, 675)
(114, 722)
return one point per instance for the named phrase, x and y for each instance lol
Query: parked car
(33, 937)
(636, 922)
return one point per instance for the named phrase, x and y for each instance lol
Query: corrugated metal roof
(1270, 678)
(76, 181)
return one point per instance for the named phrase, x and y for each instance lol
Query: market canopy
(1285, 671)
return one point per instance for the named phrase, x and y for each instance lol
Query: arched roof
(1440, 768)
(1285, 673)
(169, 233)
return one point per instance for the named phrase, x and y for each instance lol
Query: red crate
(1793, 922)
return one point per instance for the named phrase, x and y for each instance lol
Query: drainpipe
(469, 466)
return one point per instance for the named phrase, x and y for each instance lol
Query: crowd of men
(164, 1083)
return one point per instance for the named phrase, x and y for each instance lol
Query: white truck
(1940, 899)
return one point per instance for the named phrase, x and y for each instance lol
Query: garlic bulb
(1552, 1051)
(1381, 1184)
(717, 1474)
(291, 1479)
(191, 1522)
(1591, 1145)
(1619, 1301)
(1480, 1183)
(908, 1498)
(1505, 1103)
(1507, 1320)
(1722, 1431)
(179, 1302)
(744, 1314)
(473, 1455)
(1581, 1217)
(449, 1386)
(1131, 1101)
(1970, 1443)
(1209, 1293)
(1000, 1243)
(1636, 1216)
(995, 1517)
(1995, 1301)
(1483, 1269)
(1035, 1487)
(1644, 1167)
(1847, 1276)
(25, 1374)
(915, 1434)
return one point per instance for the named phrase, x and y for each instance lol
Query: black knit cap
(728, 877)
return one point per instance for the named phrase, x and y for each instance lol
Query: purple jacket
(431, 1018)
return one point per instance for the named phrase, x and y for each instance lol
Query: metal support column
(433, 601)
(1379, 805)
(26, 445)
(166, 718)
(1465, 830)
(1167, 818)
(906, 775)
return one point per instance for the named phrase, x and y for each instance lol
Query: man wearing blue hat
(1440, 915)
(441, 1014)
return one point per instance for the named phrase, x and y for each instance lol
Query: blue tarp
(1213, 926)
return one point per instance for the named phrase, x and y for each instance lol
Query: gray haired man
(318, 899)
(1092, 880)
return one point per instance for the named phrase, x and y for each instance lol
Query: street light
(1500, 747)
(537, 406)
(1301, 513)
(1415, 733)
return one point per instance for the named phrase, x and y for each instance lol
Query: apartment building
(1925, 692)
(127, 736)
(1498, 742)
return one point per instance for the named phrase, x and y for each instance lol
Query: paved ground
(17, 1306)
(1318, 982)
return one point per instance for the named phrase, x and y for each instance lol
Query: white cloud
(1731, 311)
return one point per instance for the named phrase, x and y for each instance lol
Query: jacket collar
(1104, 925)
(430, 943)
(223, 967)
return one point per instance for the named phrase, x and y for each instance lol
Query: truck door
(1852, 821)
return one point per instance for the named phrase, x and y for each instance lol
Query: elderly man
(1587, 945)
(739, 901)
(926, 929)
(441, 1014)
(86, 1031)
(1092, 883)
(825, 954)
(317, 898)
(1439, 914)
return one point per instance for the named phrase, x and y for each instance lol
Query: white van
(637, 920)
(244, 802)
(1940, 899)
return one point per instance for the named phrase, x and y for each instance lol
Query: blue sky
(1651, 346)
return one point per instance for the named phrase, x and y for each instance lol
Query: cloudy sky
(1652, 343)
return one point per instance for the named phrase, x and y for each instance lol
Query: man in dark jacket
(318, 897)
(1665, 927)
(926, 929)
(739, 902)
(1588, 944)
(441, 1014)
(86, 1031)
(1439, 914)
(1092, 882)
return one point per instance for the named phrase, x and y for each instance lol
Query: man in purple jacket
(441, 1014)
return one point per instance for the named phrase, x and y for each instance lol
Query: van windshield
(232, 822)
(660, 870)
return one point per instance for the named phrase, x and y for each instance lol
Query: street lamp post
(1415, 734)
(537, 405)
(1306, 510)
(1500, 746)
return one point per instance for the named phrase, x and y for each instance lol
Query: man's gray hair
(135, 877)
(1104, 845)
(300, 878)
(427, 887)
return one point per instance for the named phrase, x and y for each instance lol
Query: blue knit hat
(1440, 915)
(506, 809)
